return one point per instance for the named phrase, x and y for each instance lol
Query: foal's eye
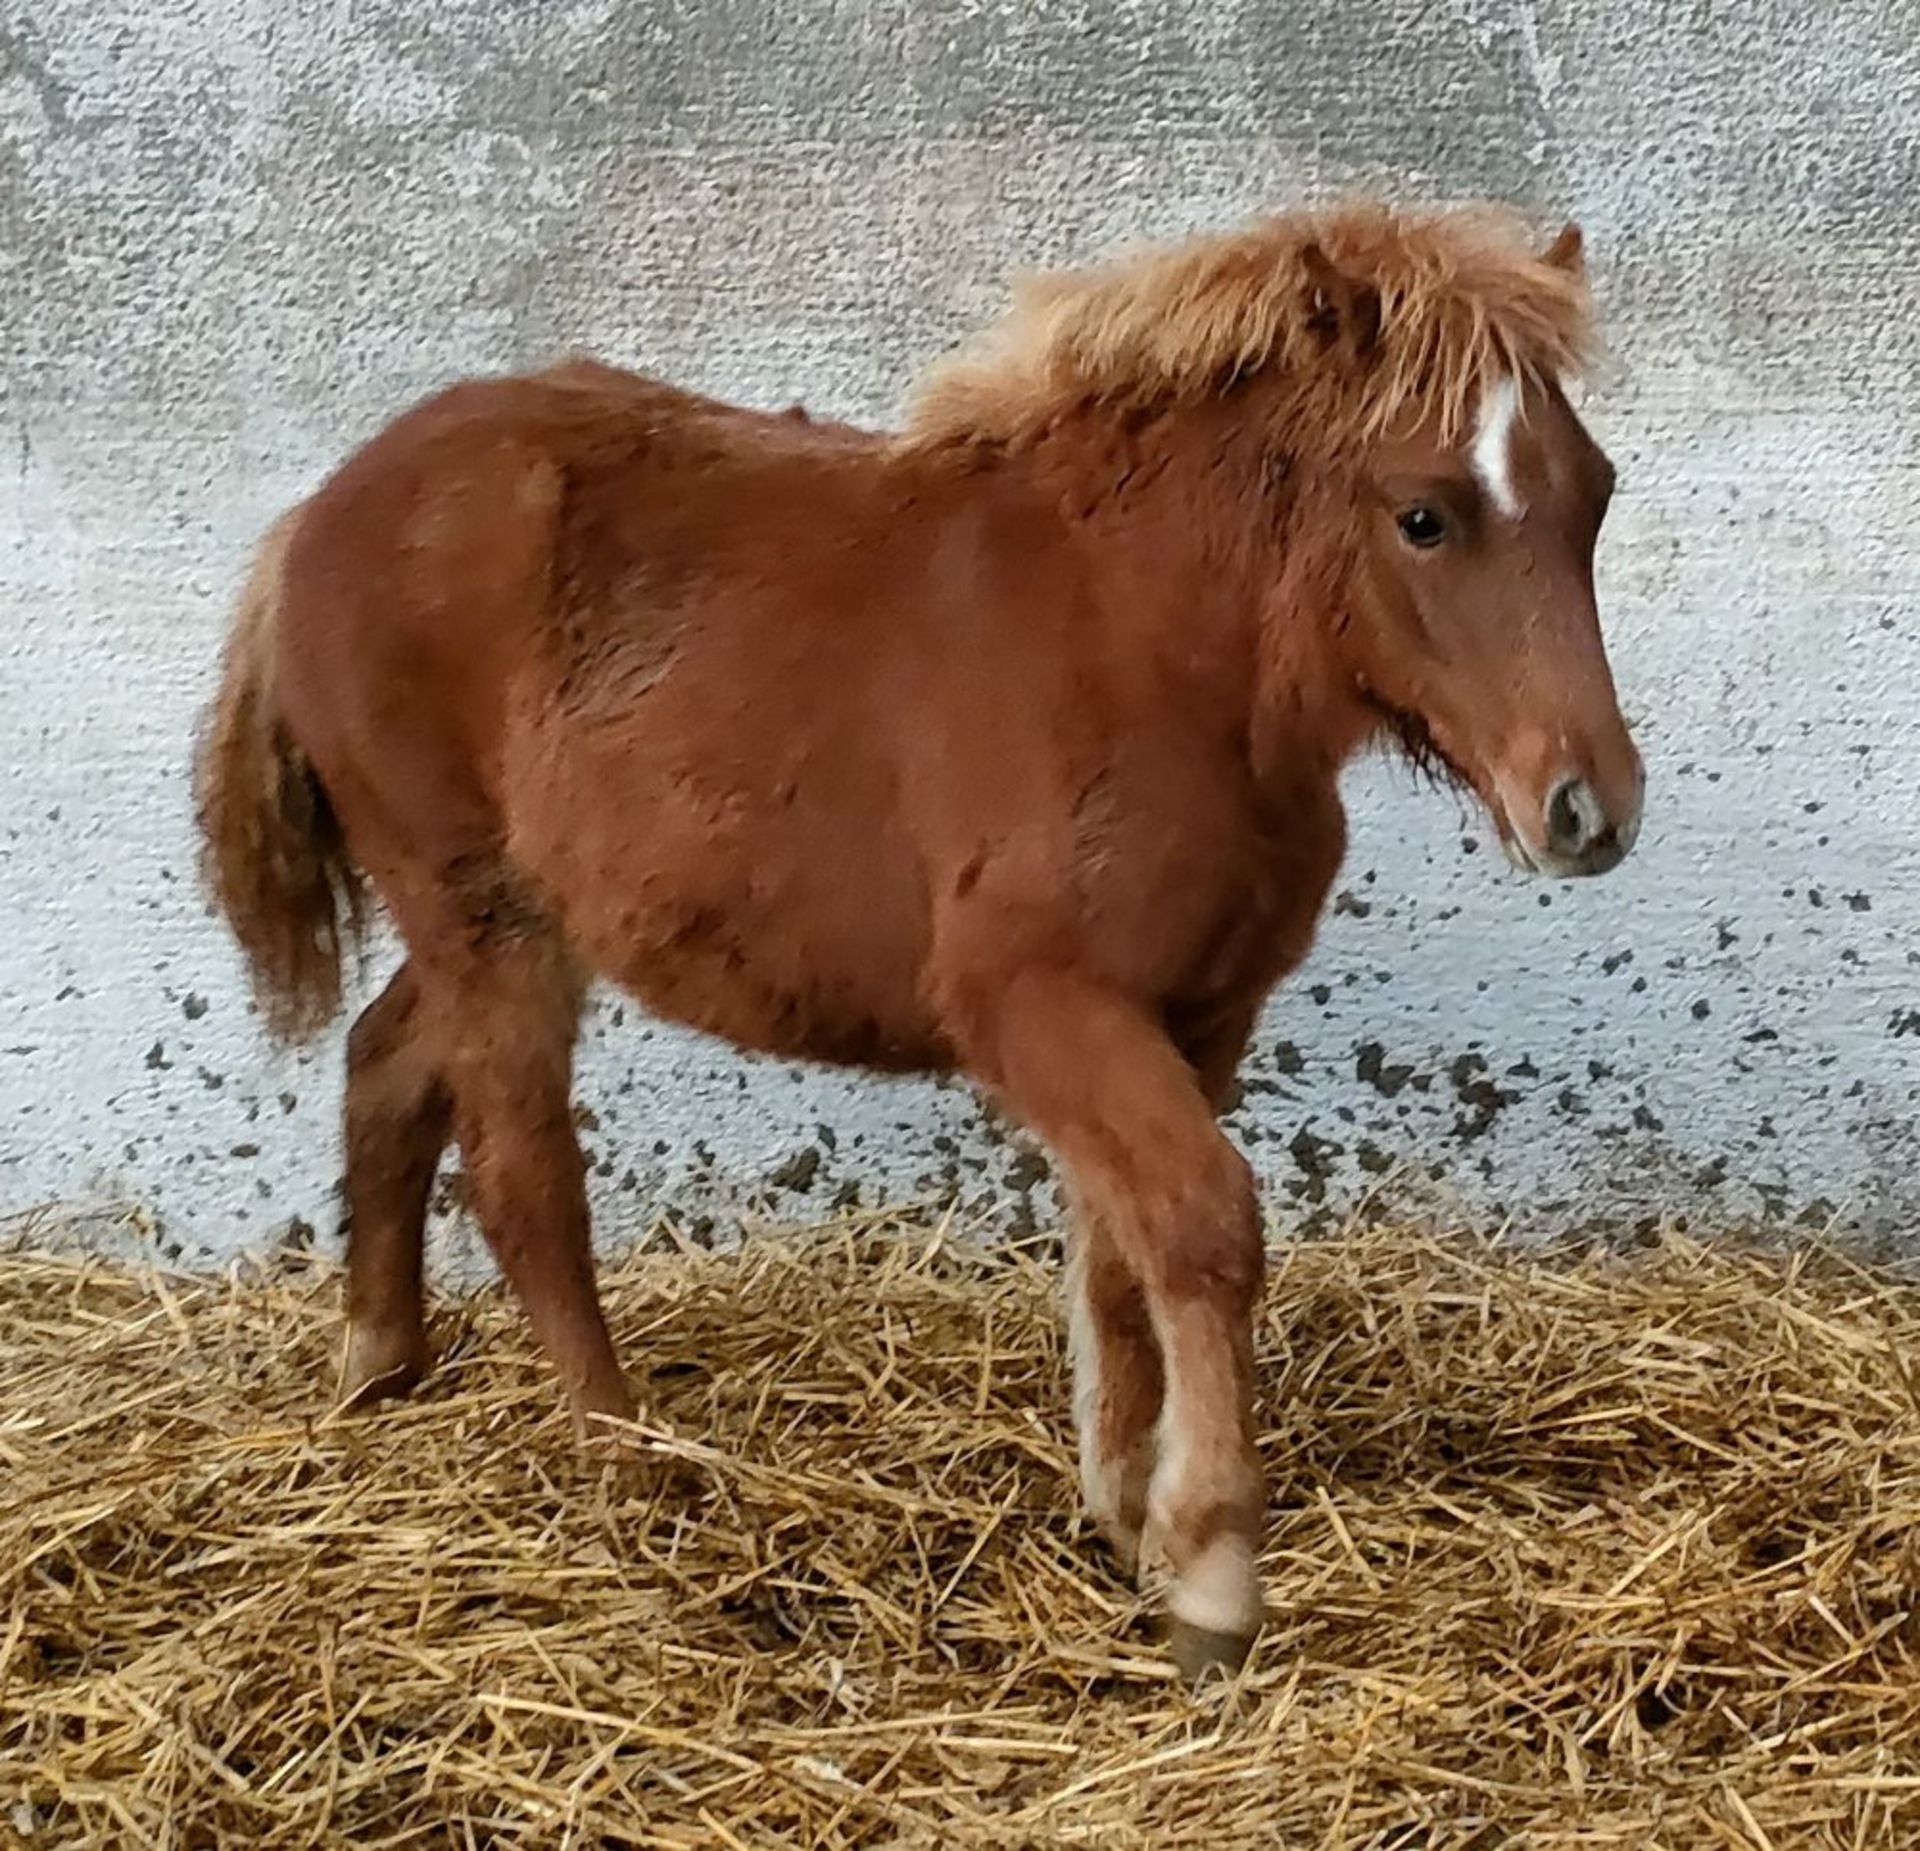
(1422, 527)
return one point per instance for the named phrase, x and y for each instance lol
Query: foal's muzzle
(1575, 834)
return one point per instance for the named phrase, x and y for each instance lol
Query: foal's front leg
(1117, 1383)
(1100, 1080)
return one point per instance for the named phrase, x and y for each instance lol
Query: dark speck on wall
(1482, 1099)
(799, 1170)
(1371, 1065)
(1313, 1156)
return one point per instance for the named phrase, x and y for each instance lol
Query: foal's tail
(272, 852)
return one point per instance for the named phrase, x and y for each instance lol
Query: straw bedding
(1568, 1549)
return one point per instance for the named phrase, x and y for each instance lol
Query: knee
(1207, 1241)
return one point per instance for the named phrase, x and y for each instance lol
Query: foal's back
(724, 696)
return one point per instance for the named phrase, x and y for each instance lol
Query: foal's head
(1470, 626)
(1391, 386)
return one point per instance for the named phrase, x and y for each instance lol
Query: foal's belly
(773, 988)
(740, 920)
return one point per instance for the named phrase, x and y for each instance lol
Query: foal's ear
(1340, 309)
(1568, 251)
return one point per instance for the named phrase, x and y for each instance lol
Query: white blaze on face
(1492, 452)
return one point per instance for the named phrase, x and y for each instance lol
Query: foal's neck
(1235, 568)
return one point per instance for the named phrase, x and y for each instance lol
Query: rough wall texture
(232, 239)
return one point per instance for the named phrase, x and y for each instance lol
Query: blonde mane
(1373, 316)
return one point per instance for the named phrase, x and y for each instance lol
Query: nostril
(1574, 817)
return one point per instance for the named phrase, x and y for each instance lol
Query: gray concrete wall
(234, 238)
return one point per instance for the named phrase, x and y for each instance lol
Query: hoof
(1123, 1544)
(591, 1413)
(380, 1366)
(1198, 1650)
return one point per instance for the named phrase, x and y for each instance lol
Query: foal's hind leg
(396, 1128)
(510, 1009)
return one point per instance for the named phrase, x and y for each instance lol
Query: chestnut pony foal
(1004, 744)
